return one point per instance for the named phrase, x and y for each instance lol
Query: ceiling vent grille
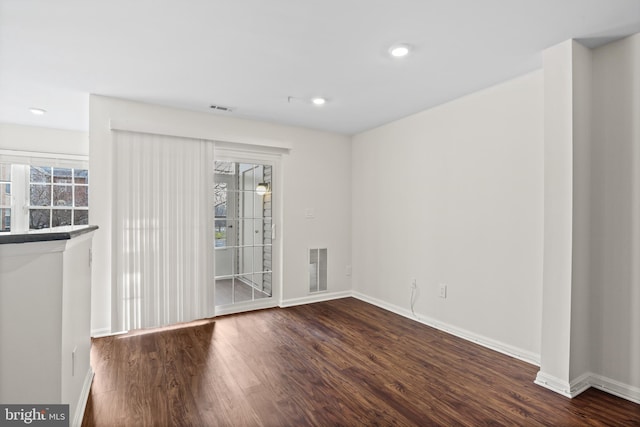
(221, 108)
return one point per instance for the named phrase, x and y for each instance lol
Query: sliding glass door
(244, 231)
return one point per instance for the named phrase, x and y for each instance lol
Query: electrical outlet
(443, 290)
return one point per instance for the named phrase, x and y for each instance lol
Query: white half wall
(454, 195)
(316, 176)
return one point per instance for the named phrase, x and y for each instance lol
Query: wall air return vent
(317, 270)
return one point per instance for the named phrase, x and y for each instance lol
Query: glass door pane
(243, 221)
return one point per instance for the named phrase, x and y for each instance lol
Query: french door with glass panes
(244, 245)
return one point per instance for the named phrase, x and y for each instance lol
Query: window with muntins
(58, 197)
(37, 197)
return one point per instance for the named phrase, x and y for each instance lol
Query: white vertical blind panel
(164, 244)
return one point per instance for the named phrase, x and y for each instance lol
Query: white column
(564, 352)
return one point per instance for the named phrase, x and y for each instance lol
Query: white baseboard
(616, 388)
(102, 332)
(83, 398)
(319, 297)
(554, 384)
(580, 384)
(585, 381)
(489, 343)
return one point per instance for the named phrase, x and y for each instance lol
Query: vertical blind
(163, 229)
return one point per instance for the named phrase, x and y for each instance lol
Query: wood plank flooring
(335, 363)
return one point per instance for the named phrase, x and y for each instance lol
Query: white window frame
(52, 184)
(20, 162)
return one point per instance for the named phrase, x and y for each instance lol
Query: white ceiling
(253, 55)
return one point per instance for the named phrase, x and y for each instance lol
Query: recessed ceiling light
(37, 111)
(399, 50)
(319, 101)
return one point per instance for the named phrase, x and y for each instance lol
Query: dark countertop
(46, 235)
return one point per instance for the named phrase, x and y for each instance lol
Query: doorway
(244, 234)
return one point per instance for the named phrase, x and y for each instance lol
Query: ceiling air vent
(221, 108)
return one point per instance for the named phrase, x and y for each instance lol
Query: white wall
(43, 140)
(615, 207)
(316, 175)
(591, 292)
(454, 195)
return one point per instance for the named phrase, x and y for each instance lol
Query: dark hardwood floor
(336, 363)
